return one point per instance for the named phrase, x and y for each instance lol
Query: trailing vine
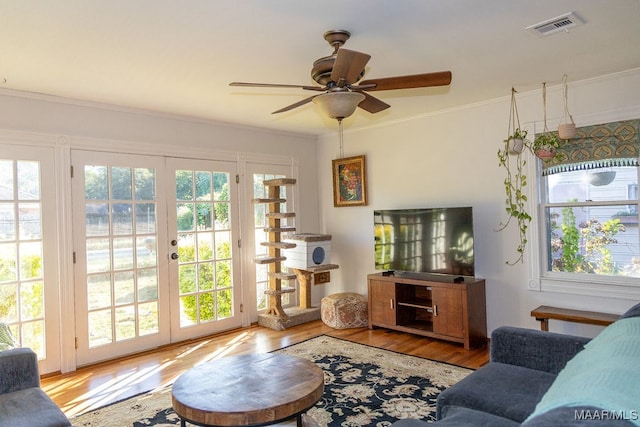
(515, 180)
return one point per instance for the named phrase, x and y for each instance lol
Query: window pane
(28, 180)
(96, 184)
(148, 318)
(125, 323)
(203, 185)
(606, 184)
(145, 184)
(145, 218)
(97, 219)
(29, 214)
(122, 218)
(9, 303)
(147, 284)
(98, 291)
(7, 222)
(184, 185)
(123, 288)
(121, 183)
(100, 328)
(594, 240)
(6, 180)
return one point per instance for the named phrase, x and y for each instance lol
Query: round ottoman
(344, 310)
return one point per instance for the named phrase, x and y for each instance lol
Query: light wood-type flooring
(104, 383)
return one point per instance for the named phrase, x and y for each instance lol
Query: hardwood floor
(101, 384)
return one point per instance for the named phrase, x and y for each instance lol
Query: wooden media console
(430, 306)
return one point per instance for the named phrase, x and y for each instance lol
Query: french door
(153, 249)
(29, 289)
(203, 226)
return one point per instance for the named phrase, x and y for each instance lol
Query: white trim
(65, 254)
(122, 146)
(590, 288)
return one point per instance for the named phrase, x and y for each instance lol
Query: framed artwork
(349, 182)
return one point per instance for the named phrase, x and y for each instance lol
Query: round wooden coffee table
(247, 390)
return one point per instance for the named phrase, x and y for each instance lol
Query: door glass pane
(121, 253)
(22, 299)
(204, 247)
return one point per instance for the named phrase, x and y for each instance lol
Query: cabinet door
(448, 311)
(382, 302)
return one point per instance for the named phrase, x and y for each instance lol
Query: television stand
(435, 307)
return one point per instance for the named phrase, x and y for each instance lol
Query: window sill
(628, 288)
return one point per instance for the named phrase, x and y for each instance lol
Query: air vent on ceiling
(554, 25)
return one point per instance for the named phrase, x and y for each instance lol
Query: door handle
(174, 256)
(435, 310)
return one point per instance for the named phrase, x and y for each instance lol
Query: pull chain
(340, 132)
(544, 105)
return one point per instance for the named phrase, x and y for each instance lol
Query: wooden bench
(544, 313)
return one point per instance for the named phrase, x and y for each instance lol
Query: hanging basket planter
(546, 153)
(546, 144)
(567, 130)
(515, 145)
(517, 139)
(510, 158)
(567, 127)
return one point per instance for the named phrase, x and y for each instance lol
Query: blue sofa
(544, 379)
(22, 402)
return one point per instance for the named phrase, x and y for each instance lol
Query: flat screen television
(430, 240)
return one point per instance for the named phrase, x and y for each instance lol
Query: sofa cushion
(464, 417)
(30, 407)
(604, 375)
(503, 390)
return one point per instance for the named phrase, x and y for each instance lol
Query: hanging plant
(546, 144)
(567, 127)
(510, 157)
(517, 137)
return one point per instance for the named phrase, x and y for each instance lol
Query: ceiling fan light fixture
(339, 105)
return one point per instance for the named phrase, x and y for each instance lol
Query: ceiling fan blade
(295, 105)
(245, 84)
(372, 105)
(348, 66)
(441, 78)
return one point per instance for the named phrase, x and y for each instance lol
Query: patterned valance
(597, 146)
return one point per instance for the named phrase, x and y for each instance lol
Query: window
(589, 209)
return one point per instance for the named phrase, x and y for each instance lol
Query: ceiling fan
(337, 75)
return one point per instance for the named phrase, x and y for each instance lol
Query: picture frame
(349, 181)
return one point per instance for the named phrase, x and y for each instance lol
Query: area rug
(364, 386)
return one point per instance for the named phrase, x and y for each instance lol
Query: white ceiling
(178, 56)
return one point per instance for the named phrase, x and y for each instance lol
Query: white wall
(449, 159)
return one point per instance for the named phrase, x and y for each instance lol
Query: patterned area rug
(363, 386)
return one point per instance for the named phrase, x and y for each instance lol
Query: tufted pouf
(344, 310)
